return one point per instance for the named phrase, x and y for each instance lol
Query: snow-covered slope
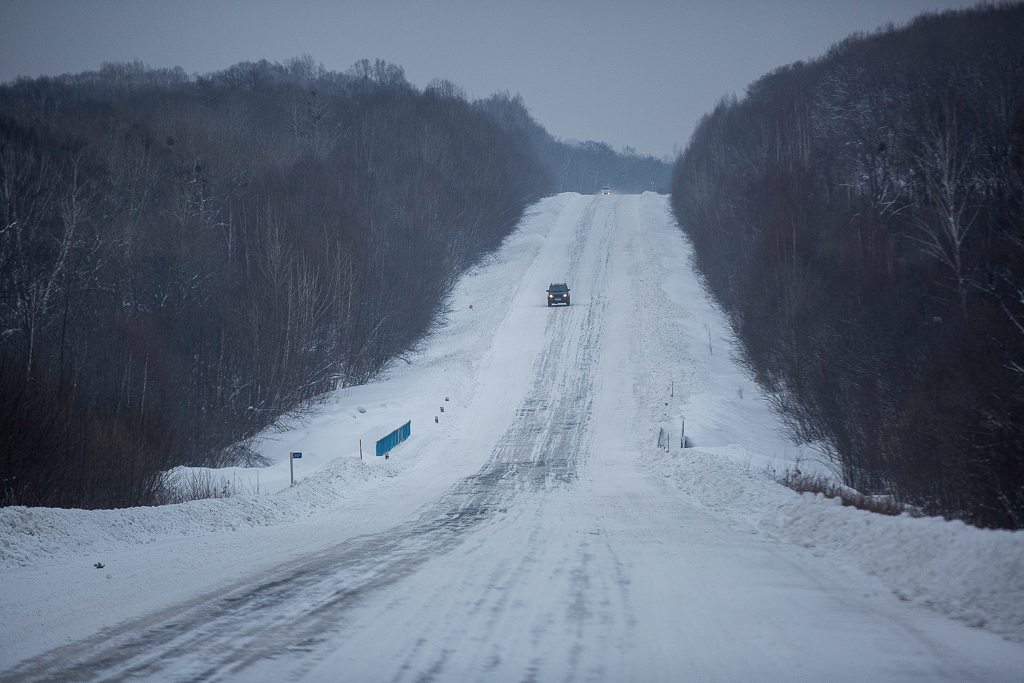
(535, 531)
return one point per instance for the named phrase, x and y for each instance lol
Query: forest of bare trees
(185, 259)
(860, 218)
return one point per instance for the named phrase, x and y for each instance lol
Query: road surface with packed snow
(535, 531)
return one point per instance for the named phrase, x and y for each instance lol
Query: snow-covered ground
(535, 531)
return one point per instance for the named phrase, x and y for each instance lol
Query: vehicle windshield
(558, 288)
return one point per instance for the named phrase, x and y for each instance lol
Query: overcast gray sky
(627, 73)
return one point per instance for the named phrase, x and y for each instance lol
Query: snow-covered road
(535, 532)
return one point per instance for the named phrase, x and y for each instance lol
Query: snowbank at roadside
(30, 535)
(967, 573)
(972, 574)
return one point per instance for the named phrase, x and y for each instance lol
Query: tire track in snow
(295, 612)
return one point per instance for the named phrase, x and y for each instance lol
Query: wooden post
(291, 467)
(360, 449)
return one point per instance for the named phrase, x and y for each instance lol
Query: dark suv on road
(558, 293)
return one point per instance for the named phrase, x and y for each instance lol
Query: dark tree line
(582, 167)
(861, 219)
(185, 259)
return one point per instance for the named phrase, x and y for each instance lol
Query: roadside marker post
(292, 457)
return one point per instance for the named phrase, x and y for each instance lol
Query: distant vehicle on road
(558, 293)
(606, 190)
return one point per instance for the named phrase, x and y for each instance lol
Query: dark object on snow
(99, 565)
(558, 293)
